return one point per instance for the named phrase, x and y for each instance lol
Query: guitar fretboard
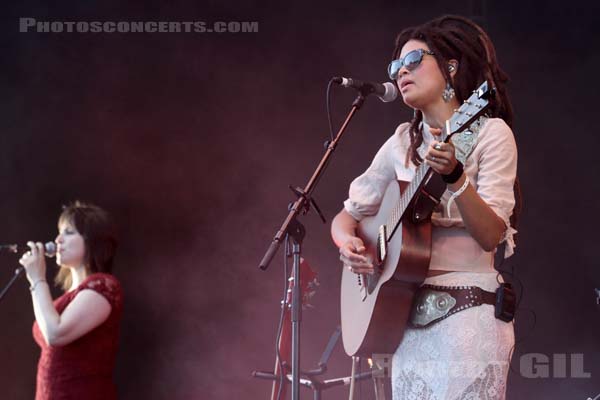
(405, 199)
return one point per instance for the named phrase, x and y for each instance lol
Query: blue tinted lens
(411, 61)
(393, 69)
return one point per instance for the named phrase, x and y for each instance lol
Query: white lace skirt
(465, 356)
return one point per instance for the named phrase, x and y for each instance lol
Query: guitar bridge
(382, 244)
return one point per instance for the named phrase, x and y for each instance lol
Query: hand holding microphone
(49, 248)
(34, 261)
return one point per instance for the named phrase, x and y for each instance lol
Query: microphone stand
(18, 272)
(292, 228)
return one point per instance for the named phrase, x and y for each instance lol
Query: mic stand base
(309, 378)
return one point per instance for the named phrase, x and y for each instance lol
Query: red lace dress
(82, 369)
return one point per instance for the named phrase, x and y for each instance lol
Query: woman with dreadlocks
(437, 66)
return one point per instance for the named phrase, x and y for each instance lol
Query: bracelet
(455, 175)
(32, 287)
(454, 195)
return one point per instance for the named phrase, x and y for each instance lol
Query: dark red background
(190, 140)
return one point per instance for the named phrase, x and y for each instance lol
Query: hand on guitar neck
(440, 155)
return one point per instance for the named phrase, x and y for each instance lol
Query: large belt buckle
(429, 306)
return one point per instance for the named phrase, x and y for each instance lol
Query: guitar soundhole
(371, 282)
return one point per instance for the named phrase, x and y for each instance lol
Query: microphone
(385, 91)
(49, 248)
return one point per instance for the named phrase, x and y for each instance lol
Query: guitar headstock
(470, 110)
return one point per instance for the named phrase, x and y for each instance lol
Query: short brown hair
(98, 230)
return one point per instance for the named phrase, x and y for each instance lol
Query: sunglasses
(410, 61)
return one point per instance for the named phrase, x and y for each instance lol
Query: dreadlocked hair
(454, 37)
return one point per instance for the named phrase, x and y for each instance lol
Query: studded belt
(435, 303)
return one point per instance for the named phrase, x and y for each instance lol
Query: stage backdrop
(191, 139)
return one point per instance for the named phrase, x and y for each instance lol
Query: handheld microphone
(385, 91)
(49, 248)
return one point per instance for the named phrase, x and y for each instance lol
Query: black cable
(328, 104)
(510, 354)
(515, 279)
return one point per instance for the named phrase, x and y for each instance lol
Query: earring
(451, 68)
(448, 93)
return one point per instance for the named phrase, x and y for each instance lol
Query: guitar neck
(407, 196)
(423, 171)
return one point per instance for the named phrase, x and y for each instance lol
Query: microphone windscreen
(391, 92)
(50, 249)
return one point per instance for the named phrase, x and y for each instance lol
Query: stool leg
(355, 361)
(381, 371)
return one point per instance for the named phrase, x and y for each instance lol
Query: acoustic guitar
(375, 307)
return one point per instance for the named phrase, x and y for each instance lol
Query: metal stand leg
(381, 368)
(296, 319)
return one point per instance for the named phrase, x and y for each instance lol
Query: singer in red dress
(78, 332)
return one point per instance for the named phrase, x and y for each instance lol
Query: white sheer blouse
(489, 153)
